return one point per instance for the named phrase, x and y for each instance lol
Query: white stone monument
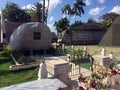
(103, 52)
(85, 51)
(72, 47)
(42, 73)
(111, 56)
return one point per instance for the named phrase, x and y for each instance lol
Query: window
(36, 35)
(4, 35)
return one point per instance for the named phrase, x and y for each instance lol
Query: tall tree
(76, 10)
(13, 13)
(46, 12)
(36, 12)
(61, 25)
(66, 10)
(91, 20)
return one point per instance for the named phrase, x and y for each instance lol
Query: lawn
(83, 63)
(8, 77)
(95, 49)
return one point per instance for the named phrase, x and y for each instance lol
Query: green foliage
(76, 9)
(51, 50)
(107, 23)
(78, 52)
(13, 13)
(68, 50)
(35, 12)
(91, 20)
(8, 49)
(94, 75)
(76, 23)
(62, 24)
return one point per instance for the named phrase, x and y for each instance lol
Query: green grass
(83, 63)
(96, 49)
(8, 77)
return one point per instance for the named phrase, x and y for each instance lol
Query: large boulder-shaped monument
(112, 36)
(31, 36)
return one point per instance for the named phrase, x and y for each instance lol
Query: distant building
(87, 34)
(9, 29)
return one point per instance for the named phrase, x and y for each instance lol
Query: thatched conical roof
(112, 36)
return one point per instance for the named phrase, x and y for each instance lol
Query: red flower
(80, 88)
(83, 79)
(113, 72)
(59, 88)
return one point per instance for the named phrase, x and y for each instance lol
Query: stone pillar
(59, 69)
(42, 73)
(111, 56)
(63, 47)
(103, 52)
(85, 52)
(101, 61)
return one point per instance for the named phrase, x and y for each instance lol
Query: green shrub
(8, 49)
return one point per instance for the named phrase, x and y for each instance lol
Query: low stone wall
(23, 66)
(59, 69)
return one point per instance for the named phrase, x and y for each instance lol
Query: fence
(82, 65)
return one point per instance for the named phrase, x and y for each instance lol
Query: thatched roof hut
(112, 36)
(86, 34)
(31, 36)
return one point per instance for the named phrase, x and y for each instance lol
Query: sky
(93, 8)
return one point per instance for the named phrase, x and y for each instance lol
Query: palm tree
(66, 10)
(37, 11)
(77, 9)
(46, 13)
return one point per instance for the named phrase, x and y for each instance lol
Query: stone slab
(43, 84)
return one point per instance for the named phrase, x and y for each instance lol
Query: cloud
(51, 18)
(88, 2)
(29, 6)
(50, 25)
(116, 9)
(95, 11)
(101, 1)
(53, 4)
(64, 15)
(98, 20)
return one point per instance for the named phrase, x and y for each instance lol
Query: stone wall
(59, 69)
(84, 37)
(112, 36)
(10, 27)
